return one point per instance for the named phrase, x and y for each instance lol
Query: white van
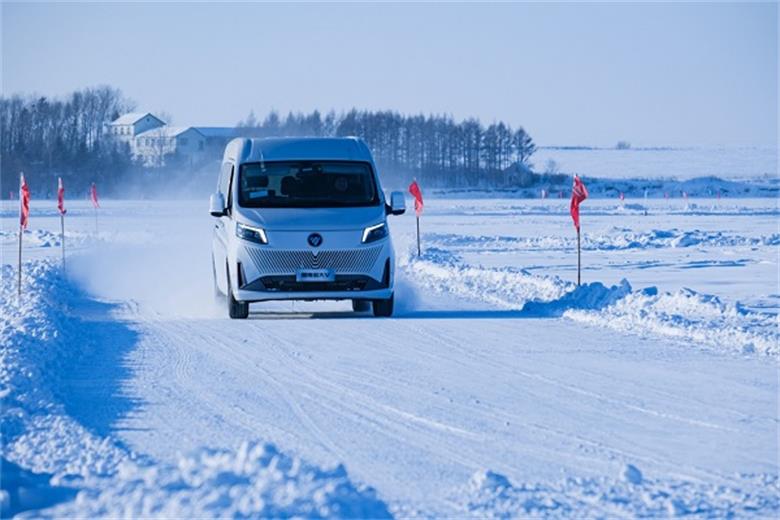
(302, 219)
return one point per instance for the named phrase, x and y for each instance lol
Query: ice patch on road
(492, 495)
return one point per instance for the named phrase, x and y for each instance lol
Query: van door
(221, 227)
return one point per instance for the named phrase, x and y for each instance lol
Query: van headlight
(374, 233)
(250, 233)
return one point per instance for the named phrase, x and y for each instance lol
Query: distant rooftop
(167, 131)
(133, 117)
(217, 131)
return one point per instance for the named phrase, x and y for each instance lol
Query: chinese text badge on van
(302, 219)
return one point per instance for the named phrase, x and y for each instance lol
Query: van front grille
(280, 261)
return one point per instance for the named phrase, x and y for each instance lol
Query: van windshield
(307, 184)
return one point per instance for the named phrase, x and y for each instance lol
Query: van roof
(244, 150)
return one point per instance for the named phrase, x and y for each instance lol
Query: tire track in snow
(370, 404)
(454, 342)
(242, 362)
(587, 393)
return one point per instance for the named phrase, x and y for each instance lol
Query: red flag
(60, 196)
(578, 193)
(414, 189)
(24, 202)
(93, 195)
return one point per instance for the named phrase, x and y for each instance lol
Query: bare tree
(524, 147)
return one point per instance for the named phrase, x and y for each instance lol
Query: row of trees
(46, 138)
(434, 148)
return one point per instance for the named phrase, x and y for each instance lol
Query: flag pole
(62, 238)
(578, 257)
(19, 283)
(418, 236)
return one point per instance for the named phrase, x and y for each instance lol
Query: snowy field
(499, 388)
(648, 163)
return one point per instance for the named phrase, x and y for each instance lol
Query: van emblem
(314, 240)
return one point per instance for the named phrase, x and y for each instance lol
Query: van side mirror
(217, 205)
(397, 203)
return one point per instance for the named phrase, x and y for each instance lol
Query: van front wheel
(383, 308)
(236, 310)
(360, 305)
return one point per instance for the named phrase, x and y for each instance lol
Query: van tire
(236, 310)
(383, 308)
(361, 305)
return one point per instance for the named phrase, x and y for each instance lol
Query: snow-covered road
(414, 406)
(616, 401)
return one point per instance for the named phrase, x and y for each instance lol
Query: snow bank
(658, 185)
(37, 237)
(34, 346)
(688, 316)
(442, 271)
(683, 315)
(42, 337)
(613, 239)
(592, 296)
(497, 204)
(254, 481)
(630, 495)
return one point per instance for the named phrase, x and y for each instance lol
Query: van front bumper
(262, 296)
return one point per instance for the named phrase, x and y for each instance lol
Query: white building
(153, 142)
(185, 143)
(128, 126)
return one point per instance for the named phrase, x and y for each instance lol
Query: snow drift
(685, 315)
(697, 319)
(628, 495)
(54, 457)
(614, 239)
(441, 270)
(255, 481)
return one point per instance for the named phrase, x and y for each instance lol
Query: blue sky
(652, 74)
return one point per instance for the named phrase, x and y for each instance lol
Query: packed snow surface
(499, 389)
(680, 162)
